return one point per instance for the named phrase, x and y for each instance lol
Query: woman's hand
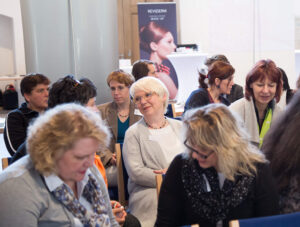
(113, 160)
(160, 171)
(118, 212)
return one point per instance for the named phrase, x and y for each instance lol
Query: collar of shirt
(53, 181)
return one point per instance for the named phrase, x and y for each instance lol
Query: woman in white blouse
(149, 147)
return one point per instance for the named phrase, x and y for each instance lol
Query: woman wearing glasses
(219, 178)
(119, 115)
(218, 81)
(149, 147)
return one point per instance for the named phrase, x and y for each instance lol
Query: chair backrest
(5, 162)
(283, 220)
(158, 179)
(122, 176)
(175, 114)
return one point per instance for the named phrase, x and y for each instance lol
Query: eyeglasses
(194, 150)
(146, 97)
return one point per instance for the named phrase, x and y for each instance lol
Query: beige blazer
(246, 111)
(109, 113)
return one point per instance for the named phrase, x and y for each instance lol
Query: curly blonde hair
(58, 129)
(214, 127)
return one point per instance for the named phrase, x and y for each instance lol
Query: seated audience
(67, 90)
(217, 82)
(119, 115)
(149, 147)
(236, 90)
(57, 184)
(142, 68)
(258, 109)
(34, 88)
(220, 177)
(282, 149)
(84, 92)
(287, 92)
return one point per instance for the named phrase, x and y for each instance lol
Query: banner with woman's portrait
(158, 39)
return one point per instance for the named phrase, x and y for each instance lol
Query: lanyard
(265, 127)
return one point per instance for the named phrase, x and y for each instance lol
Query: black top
(15, 130)
(174, 206)
(200, 97)
(236, 93)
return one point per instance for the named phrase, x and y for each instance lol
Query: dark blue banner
(158, 39)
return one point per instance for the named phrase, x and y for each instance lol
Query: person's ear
(164, 97)
(217, 82)
(153, 46)
(251, 86)
(27, 97)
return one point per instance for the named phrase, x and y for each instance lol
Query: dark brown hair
(140, 68)
(30, 81)
(151, 32)
(264, 69)
(214, 58)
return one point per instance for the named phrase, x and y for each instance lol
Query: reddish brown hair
(218, 69)
(264, 69)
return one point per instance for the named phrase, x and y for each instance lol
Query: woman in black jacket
(221, 177)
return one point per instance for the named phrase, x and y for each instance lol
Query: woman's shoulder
(21, 176)
(137, 127)
(199, 91)
(107, 105)
(240, 105)
(174, 122)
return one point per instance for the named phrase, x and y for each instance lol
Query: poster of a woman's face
(158, 42)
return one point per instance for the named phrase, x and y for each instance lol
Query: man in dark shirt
(35, 90)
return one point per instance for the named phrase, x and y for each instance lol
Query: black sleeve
(196, 99)
(170, 204)
(239, 92)
(14, 131)
(21, 152)
(266, 195)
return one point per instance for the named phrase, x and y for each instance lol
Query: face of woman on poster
(165, 46)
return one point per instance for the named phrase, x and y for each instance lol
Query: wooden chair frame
(5, 163)
(121, 184)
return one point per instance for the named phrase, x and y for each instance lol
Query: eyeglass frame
(194, 150)
(147, 97)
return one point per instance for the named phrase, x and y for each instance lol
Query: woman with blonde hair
(149, 147)
(58, 183)
(220, 177)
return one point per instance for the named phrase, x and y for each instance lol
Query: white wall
(245, 31)
(11, 8)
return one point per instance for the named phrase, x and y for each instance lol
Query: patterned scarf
(93, 195)
(216, 204)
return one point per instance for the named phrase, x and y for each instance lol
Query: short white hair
(151, 84)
